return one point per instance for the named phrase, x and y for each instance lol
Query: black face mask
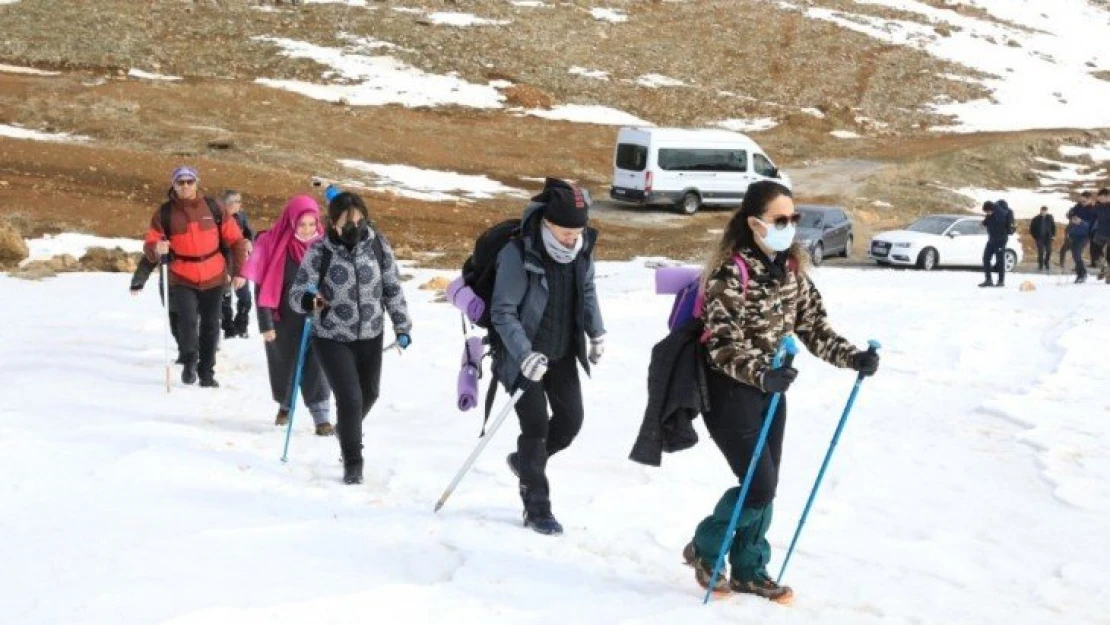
(352, 234)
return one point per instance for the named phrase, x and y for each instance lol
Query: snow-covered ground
(431, 185)
(19, 132)
(15, 69)
(748, 125)
(75, 245)
(589, 114)
(144, 75)
(970, 486)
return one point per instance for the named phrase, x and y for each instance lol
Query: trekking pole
(481, 445)
(164, 283)
(784, 357)
(872, 347)
(305, 332)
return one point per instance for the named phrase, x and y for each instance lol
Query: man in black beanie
(544, 306)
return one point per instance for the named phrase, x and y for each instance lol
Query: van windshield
(631, 157)
(672, 159)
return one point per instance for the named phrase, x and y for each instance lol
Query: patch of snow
(75, 244)
(1099, 153)
(1040, 80)
(430, 184)
(609, 15)
(500, 84)
(748, 125)
(8, 1)
(462, 20)
(882, 204)
(589, 114)
(1025, 203)
(19, 132)
(844, 134)
(654, 81)
(13, 69)
(596, 74)
(379, 80)
(409, 10)
(809, 110)
(529, 3)
(1066, 173)
(138, 73)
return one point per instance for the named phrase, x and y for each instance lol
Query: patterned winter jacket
(746, 326)
(359, 288)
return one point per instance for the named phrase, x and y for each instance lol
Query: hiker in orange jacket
(194, 230)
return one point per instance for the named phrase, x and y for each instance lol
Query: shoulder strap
(164, 217)
(325, 264)
(379, 249)
(742, 267)
(216, 210)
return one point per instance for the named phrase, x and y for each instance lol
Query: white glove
(597, 349)
(534, 366)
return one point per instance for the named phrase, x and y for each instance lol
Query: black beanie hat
(566, 204)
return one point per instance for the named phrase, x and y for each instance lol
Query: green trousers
(750, 551)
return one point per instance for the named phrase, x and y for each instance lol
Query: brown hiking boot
(324, 429)
(282, 417)
(765, 588)
(703, 570)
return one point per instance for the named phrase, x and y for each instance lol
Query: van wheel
(691, 202)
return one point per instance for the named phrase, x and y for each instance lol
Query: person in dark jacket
(273, 266)
(234, 323)
(1043, 229)
(1080, 208)
(139, 280)
(197, 270)
(349, 300)
(1100, 232)
(999, 223)
(543, 307)
(1078, 232)
(745, 325)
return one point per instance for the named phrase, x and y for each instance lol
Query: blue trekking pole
(873, 347)
(784, 357)
(296, 383)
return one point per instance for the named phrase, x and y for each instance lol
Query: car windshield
(931, 225)
(810, 218)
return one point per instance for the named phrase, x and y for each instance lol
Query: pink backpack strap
(742, 267)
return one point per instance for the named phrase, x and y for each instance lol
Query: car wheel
(691, 202)
(927, 259)
(848, 247)
(818, 254)
(1011, 260)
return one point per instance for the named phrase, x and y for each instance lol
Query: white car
(939, 241)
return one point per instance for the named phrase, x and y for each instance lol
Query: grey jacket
(520, 297)
(358, 287)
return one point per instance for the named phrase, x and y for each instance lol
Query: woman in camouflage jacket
(744, 326)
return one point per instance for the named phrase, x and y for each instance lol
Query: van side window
(631, 157)
(762, 165)
(672, 159)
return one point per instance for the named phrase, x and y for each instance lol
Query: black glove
(867, 363)
(778, 380)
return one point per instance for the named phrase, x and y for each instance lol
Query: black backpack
(479, 271)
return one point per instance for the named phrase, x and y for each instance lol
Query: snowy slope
(971, 484)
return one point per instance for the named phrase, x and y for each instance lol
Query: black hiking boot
(986, 283)
(513, 463)
(209, 381)
(352, 473)
(703, 571)
(764, 588)
(189, 373)
(543, 522)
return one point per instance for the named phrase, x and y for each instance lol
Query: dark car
(824, 231)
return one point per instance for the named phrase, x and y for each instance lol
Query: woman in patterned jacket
(349, 280)
(744, 325)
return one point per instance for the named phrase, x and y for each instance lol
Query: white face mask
(310, 239)
(777, 240)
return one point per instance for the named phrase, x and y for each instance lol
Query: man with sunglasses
(185, 230)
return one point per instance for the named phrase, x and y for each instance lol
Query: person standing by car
(1043, 229)
(1100, 233)
(1081, 208)
(999, 224)
(1078, 232)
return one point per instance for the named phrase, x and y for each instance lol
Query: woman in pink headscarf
(272, 266)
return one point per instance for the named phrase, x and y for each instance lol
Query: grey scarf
(556, 250)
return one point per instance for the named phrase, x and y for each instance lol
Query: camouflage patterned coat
(745, 326)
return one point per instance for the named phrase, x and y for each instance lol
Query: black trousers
(542, 435)
(281, 361)
(995, 253)
(198, 308)
(238, 319)
(1098, 250)
(1077, 256)
(734, 423)
(354, 372)
(1065, 248)
(1044, 253)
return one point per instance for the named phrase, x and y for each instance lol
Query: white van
(688, 168)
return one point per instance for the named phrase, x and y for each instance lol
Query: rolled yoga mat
(671, 280)
(463, 298)
(471, 371)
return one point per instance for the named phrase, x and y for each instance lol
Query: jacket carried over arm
(745, 326)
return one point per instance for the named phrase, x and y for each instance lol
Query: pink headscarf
(266, 265)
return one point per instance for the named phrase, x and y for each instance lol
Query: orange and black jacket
(195, 243)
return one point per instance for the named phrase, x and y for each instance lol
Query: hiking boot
(764, 588)
(352, 473)
(189, 373)
(986, 283)
(180, 360)
(703, 570)
(325, 429)
(208, 381)
(282, 417)
(229, 333)
(514, 464)
(1081, 279)
(543, 522)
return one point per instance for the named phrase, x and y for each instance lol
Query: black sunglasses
(185, 183)
(781, 222)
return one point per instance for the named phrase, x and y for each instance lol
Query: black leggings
(734, 423)
(354, 372)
